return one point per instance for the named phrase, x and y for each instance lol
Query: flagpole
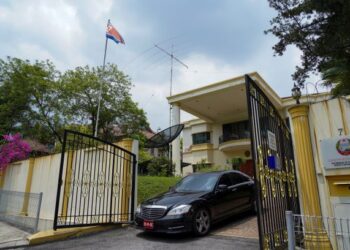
(100, 92)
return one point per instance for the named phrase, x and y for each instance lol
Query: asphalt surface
(131, 238)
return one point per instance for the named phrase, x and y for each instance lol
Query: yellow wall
(326, 118)
(41, 175)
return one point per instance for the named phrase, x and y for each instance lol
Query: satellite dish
(163, 138)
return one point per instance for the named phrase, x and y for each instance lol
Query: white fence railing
(317, 232)
(20, 209)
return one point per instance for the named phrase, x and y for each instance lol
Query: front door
(242, 186)
(223, 198)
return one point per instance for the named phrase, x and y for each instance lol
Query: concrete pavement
(131, 238)
(11, 236)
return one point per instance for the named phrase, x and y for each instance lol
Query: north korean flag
(113, 34)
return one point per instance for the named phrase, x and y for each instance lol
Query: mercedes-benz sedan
(196, 202)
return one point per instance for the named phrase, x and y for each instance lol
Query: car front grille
(153, 212)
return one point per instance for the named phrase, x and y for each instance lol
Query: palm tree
(337, 75)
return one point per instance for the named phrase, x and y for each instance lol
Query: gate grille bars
(96, 183)
(276, 188)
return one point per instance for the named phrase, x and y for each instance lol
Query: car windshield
(197, 183)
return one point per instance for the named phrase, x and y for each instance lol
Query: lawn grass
(150, 186)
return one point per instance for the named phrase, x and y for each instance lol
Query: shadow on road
(239, 218)
(169, 238)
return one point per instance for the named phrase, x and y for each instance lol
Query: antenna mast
(172, 58)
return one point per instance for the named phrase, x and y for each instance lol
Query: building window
(235, 131)
(201, 138)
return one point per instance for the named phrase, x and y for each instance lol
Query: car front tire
(201, 222)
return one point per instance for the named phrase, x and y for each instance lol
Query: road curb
(66, 233)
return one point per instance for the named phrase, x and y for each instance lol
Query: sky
(217, 40)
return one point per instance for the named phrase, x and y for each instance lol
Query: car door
(242, 187)
(223, 198)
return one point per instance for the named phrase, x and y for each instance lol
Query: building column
(2, 178)
(28, 186)
(307, 173)
(125, 177)
(176, 151)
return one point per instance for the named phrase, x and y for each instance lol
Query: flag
(113, 34)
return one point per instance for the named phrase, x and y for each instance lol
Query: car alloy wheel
(201, 222)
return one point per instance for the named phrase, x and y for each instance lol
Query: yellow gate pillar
(2, 178)
(126, 171)
(307, 176)
(28, 186)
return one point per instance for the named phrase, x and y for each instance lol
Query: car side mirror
(222, 188)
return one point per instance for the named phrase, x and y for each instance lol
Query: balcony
(234, 142)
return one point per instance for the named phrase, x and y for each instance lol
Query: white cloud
(71, 33)
(45, 25)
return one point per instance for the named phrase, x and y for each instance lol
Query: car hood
(173, 198)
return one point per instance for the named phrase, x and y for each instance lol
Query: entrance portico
(217, 104)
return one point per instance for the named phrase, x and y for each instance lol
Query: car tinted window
(225, 180)
(197, 183)
(237, 178)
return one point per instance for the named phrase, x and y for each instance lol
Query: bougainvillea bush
(13, 149)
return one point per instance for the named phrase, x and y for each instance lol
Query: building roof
(224, 100)
(227, 100)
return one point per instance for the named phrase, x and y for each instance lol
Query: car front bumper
(167, 224)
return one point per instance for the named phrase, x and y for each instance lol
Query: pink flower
(16, 149)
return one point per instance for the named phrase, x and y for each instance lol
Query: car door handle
(234, 189)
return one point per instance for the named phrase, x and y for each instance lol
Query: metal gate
(274, 169)
(96, 183)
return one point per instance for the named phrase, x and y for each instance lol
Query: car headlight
(138, 209)
(182, 209)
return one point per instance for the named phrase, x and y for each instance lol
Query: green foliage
(214, 168)
(236, 162)
(320, 29)
(337, 76)
(40, 102)
(201, 164)
(160, 166)
(150, 186)
(144, 156)
(28, 99)
(80, 93)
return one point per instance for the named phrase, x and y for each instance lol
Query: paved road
(131, 238)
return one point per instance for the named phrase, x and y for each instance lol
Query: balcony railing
(230, 137)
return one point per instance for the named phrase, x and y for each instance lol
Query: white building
(220, 135)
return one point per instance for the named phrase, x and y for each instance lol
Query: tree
(338, 76)
(80, 91)
(29, 99)
(320, 29)
(40, 102)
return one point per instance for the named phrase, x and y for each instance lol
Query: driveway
(11, 236)
(131, 238)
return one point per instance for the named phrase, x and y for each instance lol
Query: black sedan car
(196, 202)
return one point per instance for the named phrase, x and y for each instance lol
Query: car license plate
(148, 224)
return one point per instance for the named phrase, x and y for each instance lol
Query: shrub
(236, 162)
(213, 169)
(160, 166)
(14, 149)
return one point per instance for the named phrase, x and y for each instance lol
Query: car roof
(219, 173)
